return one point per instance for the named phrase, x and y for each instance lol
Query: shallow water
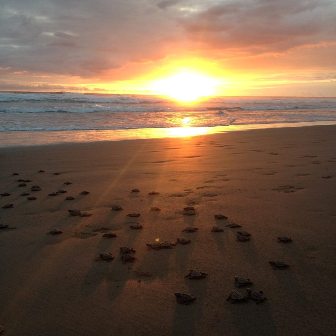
(42, 118)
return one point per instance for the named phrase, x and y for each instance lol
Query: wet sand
(274, 182)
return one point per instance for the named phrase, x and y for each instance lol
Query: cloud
(88, 38)
(259, 26)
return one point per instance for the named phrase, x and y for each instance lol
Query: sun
(185, 86)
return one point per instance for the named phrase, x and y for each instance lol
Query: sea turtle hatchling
(196, 275)
(79, 213)
(238, 296)
(220, 217)
(84, 192)
(136, 226)
(6, 227)
(242, 238)
(190, 229)
(109, 235)
(160, 245)
(256, 296)
(189, 211)
(278, 265)
(284, 240)
(242, 282)
(127, 258)
(185, 299)
(8, 206)
(106, 256)
(233, 226)
(126, 250)
(153, 193)
(116, 208)
(217, 229)
(183, 241)
(55, 232)
(127, 254)
(133, 215)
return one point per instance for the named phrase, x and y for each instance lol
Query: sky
(253, 47)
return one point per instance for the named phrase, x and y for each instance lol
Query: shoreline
(41, 138)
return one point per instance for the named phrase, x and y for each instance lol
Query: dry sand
(279, 182)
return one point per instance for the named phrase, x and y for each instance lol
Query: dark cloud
(264, 25)
(85, 37)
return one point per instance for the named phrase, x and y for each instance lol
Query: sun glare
(185, 86)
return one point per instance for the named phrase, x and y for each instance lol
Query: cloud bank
(85, 38)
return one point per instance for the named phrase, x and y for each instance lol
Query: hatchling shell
(116, 208)
(74, 212)
(257, 296)
(55, 232)
(233, 226)
(278, 264)
(216, 229)
(189, 211)
(183, 241)
(133, 214)
(126, 250)
(196, 275)
(220, 216)
(190, 229)
(106, 256)
(160, 245)
(242, 238)
(8, 206)
(127, 257)
(84, 192)
(153, 193)
(185, 299)
(109, 235)
(284, 240)
(136, 226)
(242, 282)
(238, 296)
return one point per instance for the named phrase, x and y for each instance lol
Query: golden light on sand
(185, 86)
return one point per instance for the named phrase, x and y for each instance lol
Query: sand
(274, 182)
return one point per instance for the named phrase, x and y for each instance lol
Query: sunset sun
(185, 86)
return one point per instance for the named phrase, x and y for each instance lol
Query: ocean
(35, 118)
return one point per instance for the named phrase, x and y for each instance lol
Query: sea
(57, 117)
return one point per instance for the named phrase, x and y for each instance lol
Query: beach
(272, 182)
